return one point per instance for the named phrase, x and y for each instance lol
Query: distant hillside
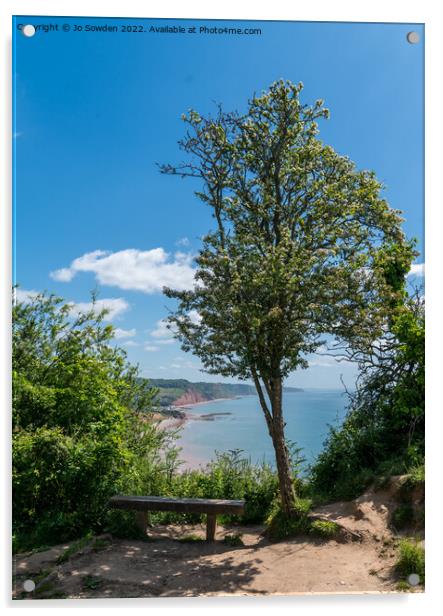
(179, 392)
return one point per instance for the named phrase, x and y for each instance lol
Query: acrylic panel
(218, 321)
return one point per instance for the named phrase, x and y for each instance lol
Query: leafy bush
(383, 432)
(229, 476)
(280, 526)
(403, 516)
(416, 474)
(80, 430)
(325, 529)
(234, 540)
(82, 433)
(411, 559)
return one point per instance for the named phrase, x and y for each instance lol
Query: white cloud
(130, 343)
(124, 333)
(322, 363)
(326, 361)
(161, 330)
(417, 269)
(151, 348)
(194, 317)
(65, 274)
(115, 307)
(164, 335)
(24, 296)
(137, 270)
(184, 241)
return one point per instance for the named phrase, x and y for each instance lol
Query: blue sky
(94, 112)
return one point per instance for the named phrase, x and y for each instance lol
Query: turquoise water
(307, 414)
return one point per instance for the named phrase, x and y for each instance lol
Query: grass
(411, 559)
(325, 529)
(281, 526)
(416, 474)
(74, 548)
(234, 540)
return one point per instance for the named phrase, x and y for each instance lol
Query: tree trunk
(276, 428)
(287, 493)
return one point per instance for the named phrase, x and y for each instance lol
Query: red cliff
(190, 397)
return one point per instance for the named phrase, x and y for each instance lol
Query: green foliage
(304, 245)
(191, 538)
(416, 474)
(403, 516)
(383, 432)
(325, 529)
(229, 476)
(234, 540)
(74, 548)
(291, 214)
(411, 559)
(82, 433)
(80, 424)
(280, 525)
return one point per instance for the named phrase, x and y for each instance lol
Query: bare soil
(164, 565)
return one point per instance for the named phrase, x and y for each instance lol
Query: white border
(424, 11)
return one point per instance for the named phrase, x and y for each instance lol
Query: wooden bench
(142, 505)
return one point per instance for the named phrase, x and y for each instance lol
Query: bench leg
(141, 519)
(211, 524)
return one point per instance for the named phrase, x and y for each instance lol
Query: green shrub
(229, 476)
(234, 540)
(80, 433)
(280, 526)
(416, 474)
(383, 431)
(403, 516)
(325, 529)
(411, 559)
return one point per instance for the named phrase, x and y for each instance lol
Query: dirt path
(167, 566)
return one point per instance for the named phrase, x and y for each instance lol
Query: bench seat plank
(179, 505)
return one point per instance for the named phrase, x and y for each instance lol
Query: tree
(384, 430)
(79, 428)
(304, 245)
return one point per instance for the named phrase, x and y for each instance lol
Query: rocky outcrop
(190, 397)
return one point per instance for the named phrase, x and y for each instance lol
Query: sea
(239, 424)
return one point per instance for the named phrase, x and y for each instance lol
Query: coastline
(177, 422)
(203, 431)
(192, 404)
